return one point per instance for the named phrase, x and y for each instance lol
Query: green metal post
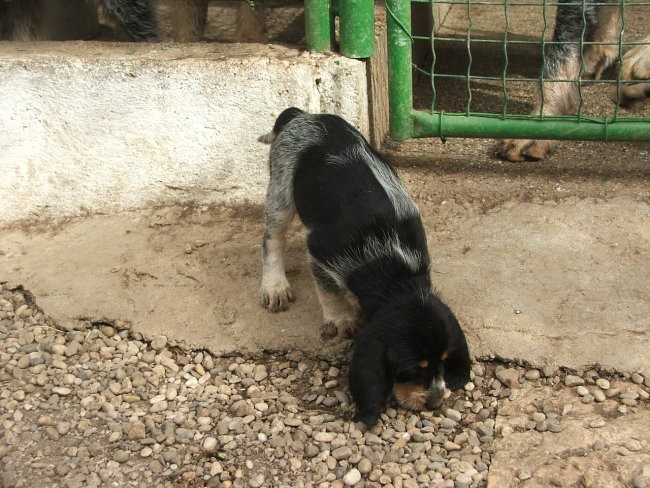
(524, 127)
(357, 28)
(400, 75)
(319, 29)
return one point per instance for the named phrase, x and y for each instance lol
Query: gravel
(95, 404)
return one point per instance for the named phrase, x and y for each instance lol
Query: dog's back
(335, 174)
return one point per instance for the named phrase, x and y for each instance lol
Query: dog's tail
(283, 119)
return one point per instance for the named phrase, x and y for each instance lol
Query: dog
(600, 21)
(368, 255)
(20, 20)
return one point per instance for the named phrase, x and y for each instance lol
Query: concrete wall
(100, 127)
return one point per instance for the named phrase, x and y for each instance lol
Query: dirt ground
(543, 262)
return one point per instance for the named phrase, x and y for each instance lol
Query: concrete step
(92, 127)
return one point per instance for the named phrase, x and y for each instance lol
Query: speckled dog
(368, 255)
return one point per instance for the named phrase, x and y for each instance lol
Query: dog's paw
(524, 149)
(345, 328)
(368, 418)
(276, 298)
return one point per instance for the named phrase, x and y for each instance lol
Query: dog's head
(412, 349)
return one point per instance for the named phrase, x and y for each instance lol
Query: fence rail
(471, 119)
(356, 26)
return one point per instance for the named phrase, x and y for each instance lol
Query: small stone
(637, 379)
(598, 395)
(260, 373)
(532, 374)
(596, 423)
(581, 390)
(588, 398)
(638, 482)
(553, 425)
(121, 456)
(629, 395)
(158, 342)
(524, 474)
(209, 444)
(453, 414)
(602, 383)
(632, 445)
(326, 437)
(509, 377)
(61, 390)
(451, 446)
(364, 466)
(573, 380)
(256, 480)
(538, 416)
(352, 477)
(341, 453)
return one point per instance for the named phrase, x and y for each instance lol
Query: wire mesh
(490, 59)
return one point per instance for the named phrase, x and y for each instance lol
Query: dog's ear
(457, 361)
(370, 383)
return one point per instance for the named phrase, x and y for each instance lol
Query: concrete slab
(558, 283)
(106, 127)
(598, 444)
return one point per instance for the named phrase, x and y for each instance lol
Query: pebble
(121, 456)
(602, 383)
(637, 379)
(256, 480)
(532, 374)
(524, 474)
(509, 377)
(598, 395)
(572, 380)
(273, 420)
(352, 477)
(596, 423)
(453, 414)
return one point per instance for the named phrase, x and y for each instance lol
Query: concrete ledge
(102, 127)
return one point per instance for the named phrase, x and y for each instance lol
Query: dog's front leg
(275, 292)
(339, 315)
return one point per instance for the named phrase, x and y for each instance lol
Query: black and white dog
(368, 255)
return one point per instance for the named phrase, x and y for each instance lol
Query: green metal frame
(356, 26)
(406, 122)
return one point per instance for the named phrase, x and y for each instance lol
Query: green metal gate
(506, 120)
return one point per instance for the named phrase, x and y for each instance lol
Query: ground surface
(133, 351)
(545, 262)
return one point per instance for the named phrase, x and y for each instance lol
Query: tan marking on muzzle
(411, 396)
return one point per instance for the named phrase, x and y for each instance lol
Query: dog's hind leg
(339, 315)
(137, 17)
(275, 292)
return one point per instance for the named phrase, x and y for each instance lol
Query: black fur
(365, 238)
(21, 19)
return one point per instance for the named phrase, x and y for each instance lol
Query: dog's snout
(436, 394)
(434, 403)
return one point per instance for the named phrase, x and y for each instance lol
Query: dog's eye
(423, 363)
